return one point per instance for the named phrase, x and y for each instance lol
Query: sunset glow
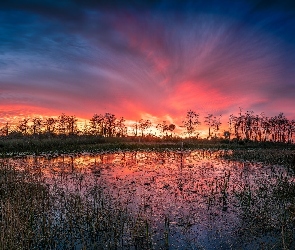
(152, 60)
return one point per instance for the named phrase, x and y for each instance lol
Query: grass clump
(267, 209)
(34, 215)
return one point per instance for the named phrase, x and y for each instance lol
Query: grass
(73, 143)
(268, 208)
(284, 157)
(36, 215)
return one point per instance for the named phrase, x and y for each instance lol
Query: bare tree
(191, 122)
(216, 124)
(50, 125)
(97, 124)
(62, 123)
(110, 124)
(4, 131)
(226, 135)
(23, 126)
(163, 128)
(37, 125)
(209, 122)
(71, 124)
(135, 128)
(144, 125)
(121, 129)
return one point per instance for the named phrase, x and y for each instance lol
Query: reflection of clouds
(85, 58)
(176, 184)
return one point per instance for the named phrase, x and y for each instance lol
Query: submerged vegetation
(168, 199)
(39, 216)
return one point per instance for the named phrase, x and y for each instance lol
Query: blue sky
(146, 59)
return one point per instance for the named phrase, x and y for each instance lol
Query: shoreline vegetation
(62, 134)
(36, 144)
(36, 215)
(243, 127)
(274, 152)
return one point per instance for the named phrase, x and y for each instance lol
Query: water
(188, 198)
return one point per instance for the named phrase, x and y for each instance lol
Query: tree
(72, 124)
(5, 130)
(62, 123)
(37, 125)
(121, 129)
(110, 124)
(144, 125)
(23, 126)
(163, 127)
(97, 124)
(191, 122)
(171, 128)
(135, 127)
(216, 124)
(209, 122)
(226, 135)
(50, 125)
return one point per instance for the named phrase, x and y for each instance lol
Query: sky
(146, 59)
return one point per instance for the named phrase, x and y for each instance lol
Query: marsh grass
(24, 206)
(284, 157)
(39, 144)
(267, 209)
(34, 216)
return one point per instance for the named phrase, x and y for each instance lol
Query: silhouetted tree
(171, 128)
(191, 122)
(261, 128)
(50, 125)
(23, 126)
(71, 124)
(97, 124)
(216, 124)
(36, 125)
(4, 131)
(62, 123)
(144, 125)
(209, 122)
(226, 135)
(121, 129)
(163, 128)
(86, 129)
(135, 128)
(110, 124)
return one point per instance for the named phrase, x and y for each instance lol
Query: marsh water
(188, 197)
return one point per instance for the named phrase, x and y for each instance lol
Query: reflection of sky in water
(193, 189)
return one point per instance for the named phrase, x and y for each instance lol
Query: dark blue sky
(146, 59)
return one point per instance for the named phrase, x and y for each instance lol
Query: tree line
(262, 128)
(244, 126)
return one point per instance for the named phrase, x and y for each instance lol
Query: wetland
(173, 198)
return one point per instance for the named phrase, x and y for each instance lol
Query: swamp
(147, 125)
(173, 198)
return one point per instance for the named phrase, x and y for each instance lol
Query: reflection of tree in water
(191, 193)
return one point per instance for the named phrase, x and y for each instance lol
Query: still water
(192, 193)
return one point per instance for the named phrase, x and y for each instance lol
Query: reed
(205, 189)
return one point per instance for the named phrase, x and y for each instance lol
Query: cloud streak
(154, 58)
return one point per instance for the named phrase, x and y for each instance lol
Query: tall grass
(268, 210)
(36, 216)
